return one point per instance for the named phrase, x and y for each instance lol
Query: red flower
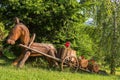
(67, 44)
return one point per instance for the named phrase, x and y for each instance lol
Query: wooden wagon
(65, 56)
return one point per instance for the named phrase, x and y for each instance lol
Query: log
(57, 59)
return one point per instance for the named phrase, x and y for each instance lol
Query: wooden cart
(67, 56)
(66, 60)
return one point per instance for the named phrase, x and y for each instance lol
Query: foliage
(107, 18)
(55, 22)
(3, 34)
(40, 62)
(8, 53)
(45, 17)
(110, 33)
(83, 42)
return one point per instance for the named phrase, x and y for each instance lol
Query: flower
(67, 44)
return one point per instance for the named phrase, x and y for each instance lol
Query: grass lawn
(8, 72)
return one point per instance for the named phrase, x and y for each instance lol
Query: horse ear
(17, 20)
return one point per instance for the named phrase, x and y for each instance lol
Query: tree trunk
(114, 42)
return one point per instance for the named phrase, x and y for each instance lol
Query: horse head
(19, 31)
(14, 35)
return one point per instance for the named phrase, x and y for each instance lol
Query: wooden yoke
(32, 39)
(27, 53)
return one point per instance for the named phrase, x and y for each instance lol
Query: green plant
(3, 34)
(8, 53)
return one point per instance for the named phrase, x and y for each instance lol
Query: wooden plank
(63, 53)
(67, 52)
(57, 59)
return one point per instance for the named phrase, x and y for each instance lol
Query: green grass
(29, 73)
(8, 72)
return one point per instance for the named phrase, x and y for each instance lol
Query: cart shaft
(57, 59)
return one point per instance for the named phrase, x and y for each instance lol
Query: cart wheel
(70, 63)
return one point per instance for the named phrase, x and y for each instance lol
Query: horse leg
(25, 57)
(49, 62)
(52, 53)
(15, 63)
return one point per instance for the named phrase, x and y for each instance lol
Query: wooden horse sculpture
(20, 31)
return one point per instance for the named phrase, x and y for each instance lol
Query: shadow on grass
(101, 72)
(4, 61)
(41, 62)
